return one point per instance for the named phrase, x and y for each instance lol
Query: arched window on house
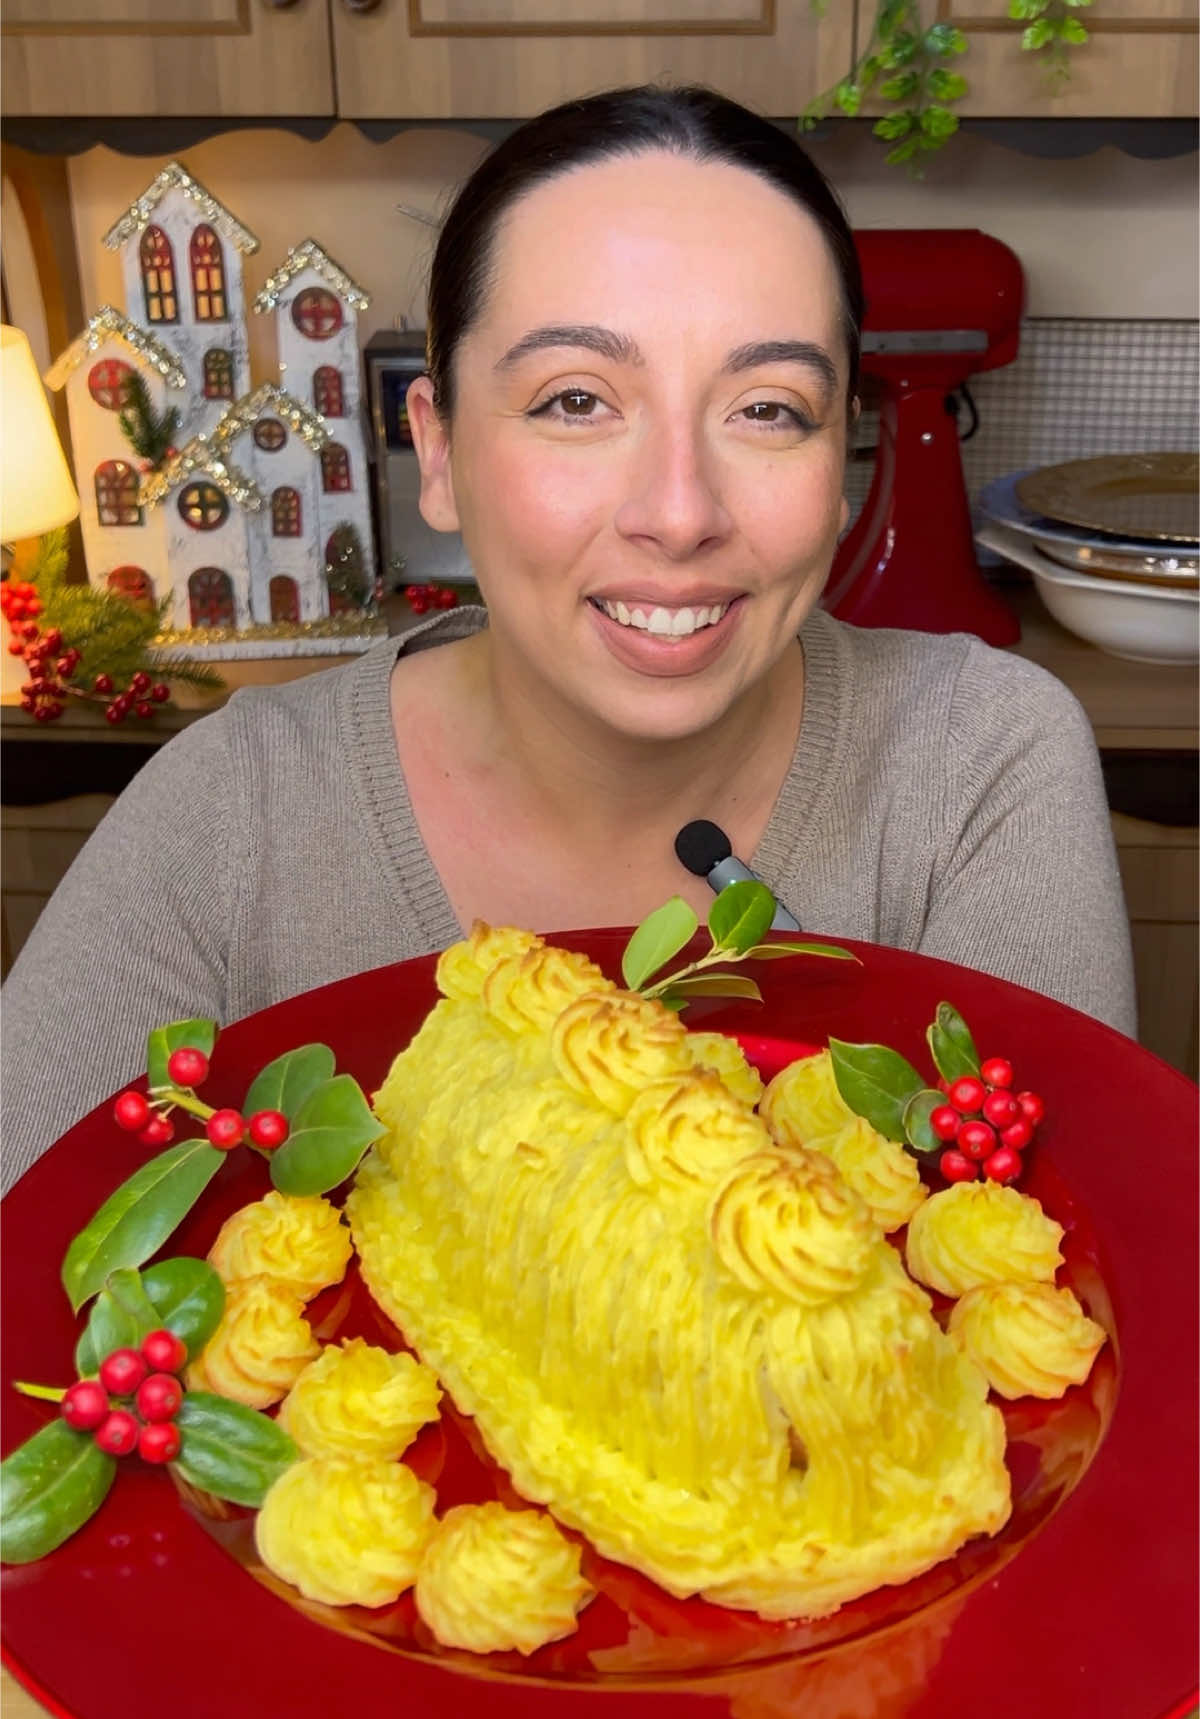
(327, 392)
(317, 313)
(158, 276)
(117, 493)
(218, 374)
(285, 512)
(285, 598)
(210, 598)
(208, 275)
(335, 468)
(133, 584)
(106, 383)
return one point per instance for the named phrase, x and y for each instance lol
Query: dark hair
(689, 121)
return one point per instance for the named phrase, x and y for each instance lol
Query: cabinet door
(512, 58)
(1161, 876)
(1140, 61)
(141, 57)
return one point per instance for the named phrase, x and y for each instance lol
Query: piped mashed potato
(357, 1400)
(1029, 1339)
(494, 1580)
(980, 1232)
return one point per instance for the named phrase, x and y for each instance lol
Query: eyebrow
(621, 349)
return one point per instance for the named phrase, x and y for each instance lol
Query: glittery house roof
(108, 324)
(175, 177)
(268, 399)
(309, 255)
(199, 460)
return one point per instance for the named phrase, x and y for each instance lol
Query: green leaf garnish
(776, 951)
(181, 1295)
(285, 1083)
(951, 1044)
(134, 1222)
(917, 1130)
(876, 1083)
(49, 1487)
(329, 1134)
(713, 985)
(229, 1450)
(657, 940)
(740, 915)
(163, 1042)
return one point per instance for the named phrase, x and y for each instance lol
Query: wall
(1105, 235)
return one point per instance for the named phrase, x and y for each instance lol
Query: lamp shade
(36, 492)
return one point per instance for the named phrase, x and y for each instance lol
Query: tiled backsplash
(1077, 387)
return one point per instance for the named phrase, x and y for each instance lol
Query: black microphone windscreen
(701, 845)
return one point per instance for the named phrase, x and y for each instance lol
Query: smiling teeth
(664, 623)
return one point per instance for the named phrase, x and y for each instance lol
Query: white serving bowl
(1144, 623)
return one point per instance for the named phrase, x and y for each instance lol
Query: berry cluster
(187, 1067)
(989, 1125)
(52, 669)
(421, 598)
(147, 1376)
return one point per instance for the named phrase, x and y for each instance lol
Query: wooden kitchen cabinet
(148, 58)
(1140, 61)
(1160, 871)
(512, 58)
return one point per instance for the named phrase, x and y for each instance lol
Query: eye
(775, 415)
(569, 403)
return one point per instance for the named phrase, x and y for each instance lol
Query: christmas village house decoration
(248, 514)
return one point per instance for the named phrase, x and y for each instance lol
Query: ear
(431, 439)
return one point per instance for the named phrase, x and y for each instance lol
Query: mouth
(662, 622)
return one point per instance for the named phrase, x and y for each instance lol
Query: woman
(643, 342)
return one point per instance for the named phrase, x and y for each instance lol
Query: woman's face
(647, 447)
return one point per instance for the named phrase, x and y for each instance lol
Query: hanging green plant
(1051, 30)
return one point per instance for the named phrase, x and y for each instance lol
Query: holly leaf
(917, 1129)
(49, 1487)
(163, 1042)
(876, 1082)
(229, 1450)
(657, 940)
(285, 1083)
(741, 915)
(329, 1134)
(691, 985)
(136, 1220)
(121, 1316)
(181, 1295)
(951, 1044)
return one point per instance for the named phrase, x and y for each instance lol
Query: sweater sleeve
(1027, 885)
(137, 932)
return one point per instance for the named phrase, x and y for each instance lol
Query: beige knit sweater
(943, 797)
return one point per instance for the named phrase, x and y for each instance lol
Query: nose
(673, 500)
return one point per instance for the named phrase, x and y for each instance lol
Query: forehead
(658, 234)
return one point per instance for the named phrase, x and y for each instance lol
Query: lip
(646, 597)
(652, 654)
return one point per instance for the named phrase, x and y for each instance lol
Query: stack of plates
(1113, 544)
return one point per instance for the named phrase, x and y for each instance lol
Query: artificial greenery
(911, 67)
(149, 433)
(345, 570)
(111, 634)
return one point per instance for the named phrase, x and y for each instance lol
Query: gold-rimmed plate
(1153, 496)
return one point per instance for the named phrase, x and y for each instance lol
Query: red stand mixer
(941, 305)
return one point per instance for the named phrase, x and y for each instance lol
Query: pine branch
(148, 433)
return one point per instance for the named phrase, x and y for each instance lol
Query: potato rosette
(259, 1349)
(356, 1400)
(980, 1232)
(345, 1531)
(493, 1580)
(1028, 1339)
(299, 1241)
(883, 1175)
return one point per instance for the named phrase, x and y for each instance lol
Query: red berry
(117, 1433)
(85, 1405)
(419, 603)
(64, 668)
(944, 1121)
(1031, 1106)
(16, 648)
(410, 591)
(187, 1066)
(226, 1129)
(116, 712)
(159, 1131)
(447, 598)
(268, 1128)
(966, 1093)
(1017, 1135)
(131, 1111)
(976, 1138)
(160, 692)
(1000, 1108)
(997, 1071)
(143, 708)
(1002, 1165)
(140, 682)
(956, 1167)
(164, 1351)
(102, 683)
(29, 631)
(122, 1372)
(158, 1397)
(159, 1442)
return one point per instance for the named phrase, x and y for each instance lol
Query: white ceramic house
(237, 529)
